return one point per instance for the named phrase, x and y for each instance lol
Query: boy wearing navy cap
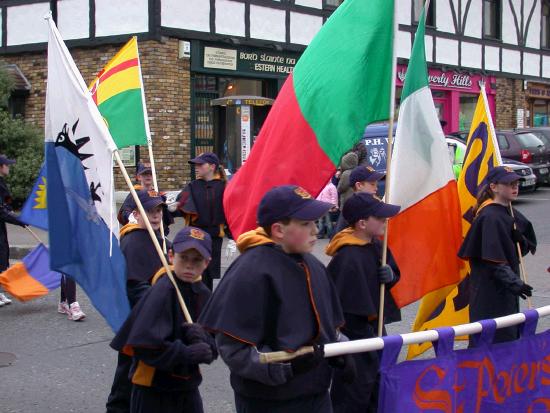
(201, 204)
(491, 248)
(166, 349)
(6, 216)
(142, 263)
(362, 179)
(357, 274)
(277, 296)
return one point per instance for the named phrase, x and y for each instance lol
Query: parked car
(460, 135)
(543, 133)
(527, 148)
(457, 151)
(376, 142)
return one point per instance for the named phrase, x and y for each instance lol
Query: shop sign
(538, 91)
(217, 58)
(444, 79)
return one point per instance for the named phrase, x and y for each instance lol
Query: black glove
(308, 361)
(517, 236)
(346, 365)
(194, 333)
(525, 291)
(198, 353)
(385, 274)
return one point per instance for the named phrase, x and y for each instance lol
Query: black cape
(156, 321)
(354, 271)
(142, 260)
(201, 202)
(6, 215)
(488, 244)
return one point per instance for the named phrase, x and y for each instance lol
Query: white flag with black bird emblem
(74, 122)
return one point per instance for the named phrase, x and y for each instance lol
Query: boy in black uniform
(357, 274)
(142, 262)
(277, 296)
(166, 350)
(145, 177)
(201, 204)
(490, 247)
(6, 216)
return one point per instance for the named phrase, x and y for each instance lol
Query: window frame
(498, 20)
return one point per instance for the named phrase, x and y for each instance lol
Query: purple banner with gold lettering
(508, 377)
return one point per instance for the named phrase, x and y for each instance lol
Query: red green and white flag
(118, 93)
(341, 83)
(421, 180)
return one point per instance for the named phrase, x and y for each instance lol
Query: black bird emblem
(93, 192)
(64, 140)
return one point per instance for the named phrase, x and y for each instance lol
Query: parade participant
(144, 175)
(490, 247)
(362, 179)
(67, 302)
(6, 216)
(357, 273)
(201, 204)
(277, 296)
(167, 350)
(142, 263)
(325, 225)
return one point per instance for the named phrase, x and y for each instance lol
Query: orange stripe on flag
(428, 261)
(118, 83)
(118, 68)
(17, 281)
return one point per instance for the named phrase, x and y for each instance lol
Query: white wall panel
(230, 18)
(403, 11)
(474, 22)
(546, 66)
(267, 24)
(531, 64)
(73, 18)
(26, 24)
(429, 45)
(533, 35)
(492, 58)
(304, 27)
(121, 17)
(511, 62)
(186, 14)
(446, 51)
(403, 44)
(508, 25)
(444, 17)
(471, 55)
(318, 4)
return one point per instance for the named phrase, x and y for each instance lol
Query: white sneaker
(4, 300)
(76, 313)
(63, 308)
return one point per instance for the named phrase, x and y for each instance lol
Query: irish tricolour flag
(340, 84)
(426, 234)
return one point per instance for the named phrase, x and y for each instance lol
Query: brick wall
(167, 90)
(509, 98)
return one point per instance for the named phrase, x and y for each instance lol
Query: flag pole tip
(48, 15)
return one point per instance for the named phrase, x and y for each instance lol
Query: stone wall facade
(509, 98)
(167, 82)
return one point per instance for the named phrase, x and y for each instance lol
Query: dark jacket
(6, 216)
(494, 264)
(349, 161)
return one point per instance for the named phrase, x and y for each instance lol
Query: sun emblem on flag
(41, 195)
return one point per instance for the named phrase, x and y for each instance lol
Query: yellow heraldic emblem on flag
(448, 306)
(40, 194)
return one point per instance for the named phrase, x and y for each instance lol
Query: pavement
(59, 365)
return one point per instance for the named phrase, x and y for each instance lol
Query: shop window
(545, 24)
(540, 112)
(468, 104)
(503, 142)
(491, 19)
(331, 4)
(417, 10)
(205, 88)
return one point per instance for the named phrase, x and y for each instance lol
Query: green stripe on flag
(125, 119)
(342, 81)
(417, 71)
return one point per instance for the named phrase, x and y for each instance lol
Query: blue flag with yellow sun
(35, 210)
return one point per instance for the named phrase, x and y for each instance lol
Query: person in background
(6, 216)
(67, 302)
(329, 194)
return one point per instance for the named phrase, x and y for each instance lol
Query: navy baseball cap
(143, 168)
(290, 201)
(363, 173)
(206, 157)
(149, 200)
(5, 161)
(502, 175)
(193, 238)
(362, 205)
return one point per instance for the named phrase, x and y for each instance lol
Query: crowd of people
(277, 295)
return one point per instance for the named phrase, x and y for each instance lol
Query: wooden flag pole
(156, 187)
(153, 236)
(522, 272)
(388, 164)
(36, 237)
